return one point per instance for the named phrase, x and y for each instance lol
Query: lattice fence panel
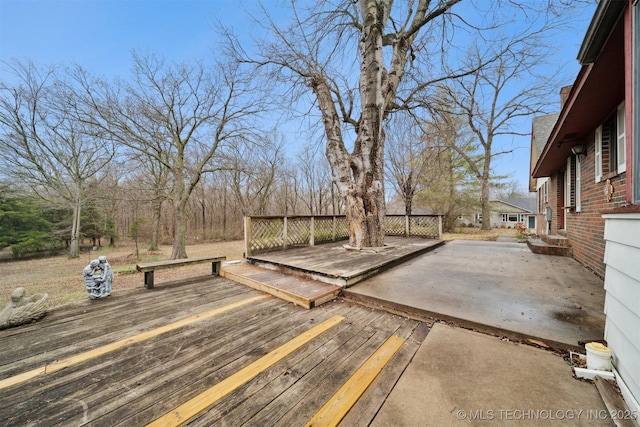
(424, 226)
(394, 225)
(323, 229)
(266, 234)
(298, 231)
(342, 228)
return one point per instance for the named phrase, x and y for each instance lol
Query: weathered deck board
(136, 369)
(90, 324)
(141, 382)
(243, 406)
(365, 410)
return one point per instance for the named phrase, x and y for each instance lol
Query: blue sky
(100, 34)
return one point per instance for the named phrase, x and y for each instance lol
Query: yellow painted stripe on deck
(193, 407)
(87, 355)
(340, 403)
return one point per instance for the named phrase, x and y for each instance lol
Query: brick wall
(585, 229)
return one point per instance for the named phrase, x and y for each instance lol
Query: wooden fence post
(333, 231)
(407, 226)
(285, 235)
(439, 226)
(247, 236)
(312, 232)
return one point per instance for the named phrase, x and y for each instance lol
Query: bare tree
(178, 116)
(314, 179)
(447, 185)
(492, 100)
(253, 174)
(363, 60)
(408, 158)
(47, 143)
(316, 53)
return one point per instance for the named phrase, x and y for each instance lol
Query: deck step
(539, 246)
(302, 291)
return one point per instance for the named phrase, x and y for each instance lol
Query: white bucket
(598, 356)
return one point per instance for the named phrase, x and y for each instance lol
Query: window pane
(621, 147)
(578, 184)
(598, 154)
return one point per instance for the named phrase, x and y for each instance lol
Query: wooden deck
(333, 264)
(206, 352)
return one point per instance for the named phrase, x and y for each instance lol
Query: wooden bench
(149, 267)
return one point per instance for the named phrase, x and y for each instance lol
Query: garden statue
(23, 310)
(90, 279)
(98, 278)
(106, 277)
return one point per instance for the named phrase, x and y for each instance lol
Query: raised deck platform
(333, 264)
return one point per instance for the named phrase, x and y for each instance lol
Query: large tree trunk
(484, 196)
(358, 176)
(179, 240)
(180, 200)
(74, 247)
(366, 211)
(155, 226)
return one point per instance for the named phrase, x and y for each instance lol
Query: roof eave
(603, 21)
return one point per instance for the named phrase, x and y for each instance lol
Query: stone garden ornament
(23, 309)
(98, 278)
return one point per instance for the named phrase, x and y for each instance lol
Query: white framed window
(598, 153)
(509, 217)
(546, 191)
(578, 188)
(567, 179)
(539, 199)
(621, 146)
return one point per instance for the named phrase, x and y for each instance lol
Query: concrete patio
(495, 287)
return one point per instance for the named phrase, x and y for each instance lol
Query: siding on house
(622, 303)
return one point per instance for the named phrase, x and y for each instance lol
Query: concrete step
(307, 293)
(556, 240)
(539, 246)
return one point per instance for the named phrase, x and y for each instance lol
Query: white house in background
(507, 213)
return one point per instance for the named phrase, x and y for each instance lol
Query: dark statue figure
(23, 309)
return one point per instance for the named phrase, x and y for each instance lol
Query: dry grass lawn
(477, 234)
(61, 277)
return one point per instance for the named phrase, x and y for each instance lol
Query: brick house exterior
(586, 176)
(575, 196)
